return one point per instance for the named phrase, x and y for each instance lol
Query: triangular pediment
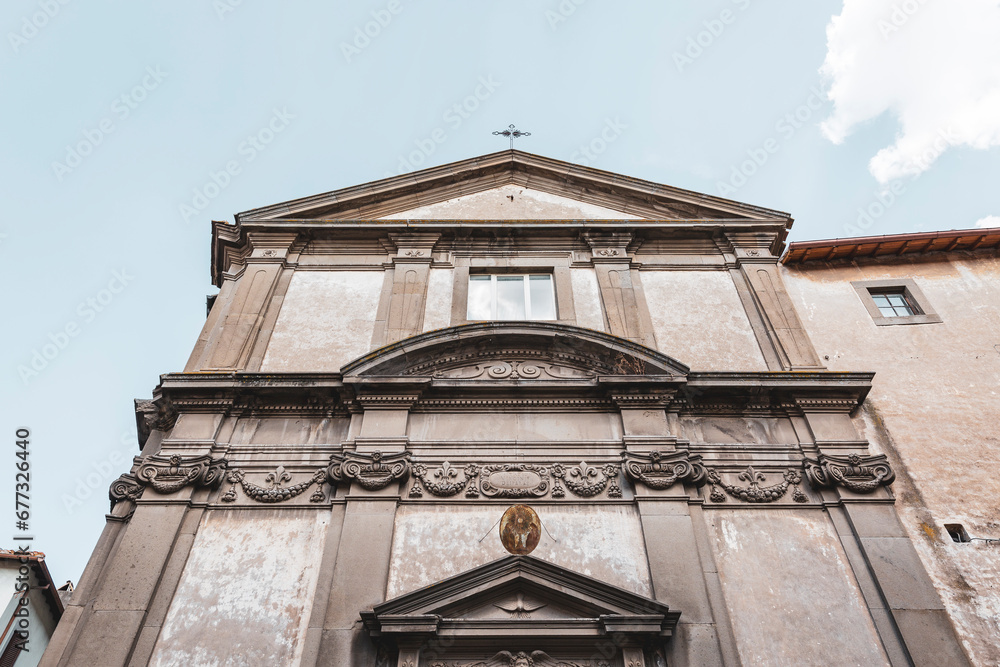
(512, 202)
(515, 352)
(515, 594)
(542, 188)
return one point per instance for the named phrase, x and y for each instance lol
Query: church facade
(720, 476)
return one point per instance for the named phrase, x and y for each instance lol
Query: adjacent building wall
(933, 409)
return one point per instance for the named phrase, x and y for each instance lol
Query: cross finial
(512, 134)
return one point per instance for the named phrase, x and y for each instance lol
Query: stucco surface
(432, 543)
(511, 202)
(247, 590)
(514, 427)
(792, 598)
(587, 299)
(698, 319)
(933, 408)
(440, 286)
(326, 320)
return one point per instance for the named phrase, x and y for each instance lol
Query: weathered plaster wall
(933, 409)
(604, 542)
(247, 590)
(440, 286)
(699, 320)
(587, 299)
(514, 427)
(326, 320)
(792, 598)
(511, 202)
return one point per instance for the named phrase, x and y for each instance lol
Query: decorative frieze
(587, 481)
(754, 492)
(857, 473)
(444, 481)
(515, 480)
(661, 471)
(168, 474)
(276, 492)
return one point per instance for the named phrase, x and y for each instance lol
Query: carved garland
(167, 474)
(277, 492)
(587, 481)
(661, 471)
(857, 473)
(755, 493)
(444, 481)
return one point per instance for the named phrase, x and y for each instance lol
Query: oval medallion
(520, 530)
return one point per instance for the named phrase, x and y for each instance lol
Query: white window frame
(525, 281)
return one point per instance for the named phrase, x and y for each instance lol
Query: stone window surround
(558, 267)
(909, 289)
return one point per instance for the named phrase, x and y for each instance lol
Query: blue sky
(120, 121)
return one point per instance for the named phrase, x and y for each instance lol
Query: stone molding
(854, 472)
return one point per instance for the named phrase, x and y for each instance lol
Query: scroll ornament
(755, 493)
(444, 481)
(168, 474)
(661, 471)
(587, 481)
(861, 474)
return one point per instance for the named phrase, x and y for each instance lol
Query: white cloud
(933, 64)
(988, 221)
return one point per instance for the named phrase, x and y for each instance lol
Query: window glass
(510, 298)
(543, 298)
(892, 304)
(480, 298)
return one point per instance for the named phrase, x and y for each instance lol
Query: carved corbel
(376, 470)
(661, 471)
(168, 474)
(857, 473)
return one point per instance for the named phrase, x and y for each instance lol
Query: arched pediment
(516, 351)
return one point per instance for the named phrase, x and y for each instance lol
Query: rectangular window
(895, 301)
(511, 297)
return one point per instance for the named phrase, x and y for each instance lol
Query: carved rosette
(857, 473)
(444, 481)
(168, 474)
(661, 471)
(587, 481)
(374, 471)
(754, 492)
(276, 491)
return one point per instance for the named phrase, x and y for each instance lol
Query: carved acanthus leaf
(857, 473)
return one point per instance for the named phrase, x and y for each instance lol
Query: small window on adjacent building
(508, 296)
(957, 532)
(895, 301)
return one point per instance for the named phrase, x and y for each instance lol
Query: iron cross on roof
(512, 134)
